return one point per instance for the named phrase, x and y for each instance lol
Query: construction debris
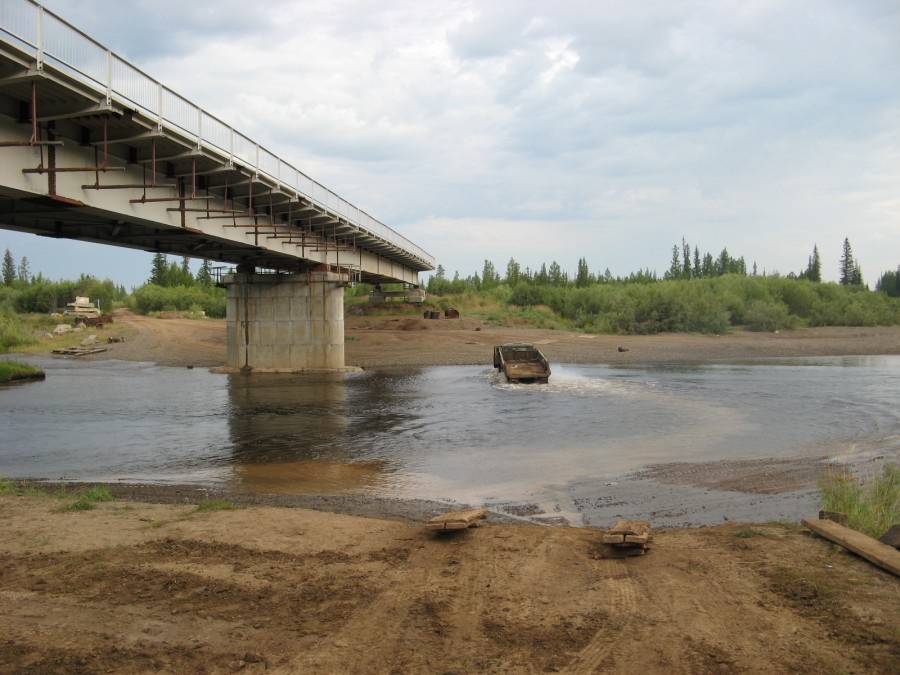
(457, 520)
(626, 538)
(82, 308)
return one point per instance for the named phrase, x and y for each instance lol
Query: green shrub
(872, 505)
(767, 316)
(16, 370)
(195, 299)
(13, 332)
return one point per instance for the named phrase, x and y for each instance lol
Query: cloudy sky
(544, 130)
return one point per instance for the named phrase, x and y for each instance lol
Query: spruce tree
(674, 266)
(159, 269)
(583, 276)
(848, 271)
(489, 276)
(9, 269)
(814, 268)
(204, 274)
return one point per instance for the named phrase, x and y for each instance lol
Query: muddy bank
(140, 588)
(372, 342)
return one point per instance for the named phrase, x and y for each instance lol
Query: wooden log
(457, 520)
(872, 550)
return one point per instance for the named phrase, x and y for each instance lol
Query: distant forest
(697, 293)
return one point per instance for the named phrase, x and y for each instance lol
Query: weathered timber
(863, 545)
(78, 351)
(628, 533)
(457, 520)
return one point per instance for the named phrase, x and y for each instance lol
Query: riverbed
(574, 451)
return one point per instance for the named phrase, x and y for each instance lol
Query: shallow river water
(450, 433)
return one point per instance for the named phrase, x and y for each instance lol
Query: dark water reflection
(457, 433)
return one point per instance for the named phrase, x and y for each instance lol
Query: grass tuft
(9, 486)
(218, 505)
(15, 371)
(872, 504)
(85, 499)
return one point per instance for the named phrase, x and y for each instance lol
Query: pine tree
(555, 274)
(814, 268)
(849, 271)
(489, 276)
(890, 283)
(204, 274)
(159, 269)
(583, 276)
(9, 269)
(674, 266)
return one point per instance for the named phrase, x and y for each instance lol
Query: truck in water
(521, 362)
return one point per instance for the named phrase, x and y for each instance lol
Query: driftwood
(457, 520)
(863, 545)
(78, 351)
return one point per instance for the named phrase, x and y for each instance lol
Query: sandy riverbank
(340, 584)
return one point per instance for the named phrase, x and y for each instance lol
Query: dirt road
(132, 587)
(138, 587)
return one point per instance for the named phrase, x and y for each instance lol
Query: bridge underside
(76, 165)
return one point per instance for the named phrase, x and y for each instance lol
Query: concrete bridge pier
(285, 323)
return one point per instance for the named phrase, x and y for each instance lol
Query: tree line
(686, 263)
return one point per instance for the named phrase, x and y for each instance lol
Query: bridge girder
(76, 147)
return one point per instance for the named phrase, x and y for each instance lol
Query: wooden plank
(632, 527)
(457, 520)
(872, 550)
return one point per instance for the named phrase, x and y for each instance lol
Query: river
(456, 433)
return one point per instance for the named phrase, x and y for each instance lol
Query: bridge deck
(83, 124)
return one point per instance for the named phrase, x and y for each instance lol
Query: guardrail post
(39, 59)
(159, 107)
(108, 77)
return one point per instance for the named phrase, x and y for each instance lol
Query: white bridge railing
(49, 37)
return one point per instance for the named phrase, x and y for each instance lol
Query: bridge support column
(285, 322)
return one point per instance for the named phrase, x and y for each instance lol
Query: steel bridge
(93, 149)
